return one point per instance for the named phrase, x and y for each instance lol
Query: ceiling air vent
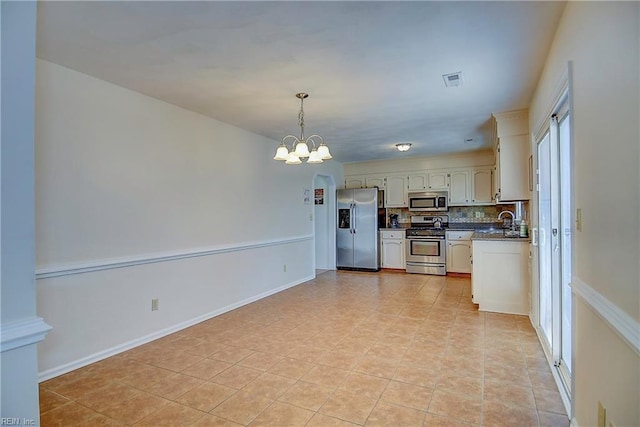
(453, 79)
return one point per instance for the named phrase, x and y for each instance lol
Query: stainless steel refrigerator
(357, 235)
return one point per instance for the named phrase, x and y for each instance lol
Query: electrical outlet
(154, 304)
(602, 415)
(284, 268)
(310, 217)
(479, 214)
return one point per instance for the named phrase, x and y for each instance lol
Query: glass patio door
(554, 241)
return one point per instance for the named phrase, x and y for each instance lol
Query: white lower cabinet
(459, 251)
(392, 249)
(500, 277)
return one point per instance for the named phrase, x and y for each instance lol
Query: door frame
(330, 218)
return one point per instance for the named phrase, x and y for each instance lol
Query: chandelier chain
(301, 119)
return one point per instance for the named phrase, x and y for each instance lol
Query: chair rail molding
(106, 264)
(622, 324)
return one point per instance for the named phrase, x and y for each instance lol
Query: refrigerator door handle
(354, 218)
(351, 218)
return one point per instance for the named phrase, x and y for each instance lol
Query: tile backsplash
(463, 213)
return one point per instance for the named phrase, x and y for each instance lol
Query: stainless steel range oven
(426, 247)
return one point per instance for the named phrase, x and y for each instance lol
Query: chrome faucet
(513, 218)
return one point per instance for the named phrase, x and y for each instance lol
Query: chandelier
(300, 146)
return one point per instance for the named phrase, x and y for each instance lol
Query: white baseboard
(60, 370)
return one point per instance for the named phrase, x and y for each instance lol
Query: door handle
(534, 236)
(353, 218)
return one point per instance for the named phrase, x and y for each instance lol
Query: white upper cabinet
(471, 187)
(396, 191)
(482, 186)
(354, 182)
(417, 181)
(438, 180)
(375, 181)
(511, 148)
(459, 188)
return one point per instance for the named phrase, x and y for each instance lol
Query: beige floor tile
(135, 409)
(542, 379)
(269, 385)
(409, 395)
(364, 385)
(209, 420)
(348, 407)
(549, 401)
(67, 414)
(261, 361)
(496, 414)
(386, 414)
(174, 386)
(291, 368)
(320, 420)
(509, 393)
(341, 359)
(326, 376)
(284, 415)
(236, 376)
(172, 415)
(242, 407)
(437, 421)
(548, 419)
(306, 395)
(206, 396)
(206, 368)
(456, 406)
(377, 367)
(416, 343)
(467, 386)
(100, 398)
(50, 400)
(145, 376)
(231, 354)
(419, 376)
(178, 362)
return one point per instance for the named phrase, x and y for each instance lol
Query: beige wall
(601, 39)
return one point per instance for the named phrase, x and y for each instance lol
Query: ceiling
(373, 70)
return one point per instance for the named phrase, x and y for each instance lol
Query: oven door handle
(430, 238)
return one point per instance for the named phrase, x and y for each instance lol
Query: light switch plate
(602, 415)
(579, 219)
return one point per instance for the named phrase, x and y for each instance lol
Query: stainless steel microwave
(434, 201)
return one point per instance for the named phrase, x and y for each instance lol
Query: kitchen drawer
(459, 235)
(392, 234)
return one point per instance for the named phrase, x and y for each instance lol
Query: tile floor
(348, 348)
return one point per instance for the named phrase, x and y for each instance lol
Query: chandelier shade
(311, 148)
(403, 146)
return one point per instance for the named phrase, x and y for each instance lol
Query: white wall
(602, 41)
(124, 180)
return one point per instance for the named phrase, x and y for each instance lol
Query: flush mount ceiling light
(453, 79)
(300, 146)
(403, 146)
